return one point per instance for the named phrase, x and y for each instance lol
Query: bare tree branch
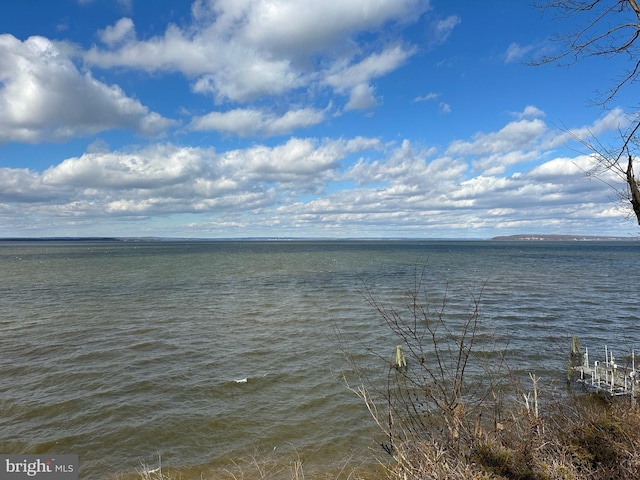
(611, 28)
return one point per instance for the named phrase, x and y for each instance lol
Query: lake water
(126, 352)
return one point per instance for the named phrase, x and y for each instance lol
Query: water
(123, 352)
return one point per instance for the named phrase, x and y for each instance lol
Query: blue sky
(298, 118)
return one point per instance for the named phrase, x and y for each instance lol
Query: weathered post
(634, 379)
(401, 361)
(575, 359)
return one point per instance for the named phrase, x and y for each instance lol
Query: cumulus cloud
(248, 79)
(23, 186)
(494, 152)
(513, 136)
(408, 165)
(361, 97)
(351, 75)
(167, 178)
(615, 120)
(299, 160)
(561, 167)
(239, 51)
(153, 167)
(121, 32)
(245, 122)
(530, 111)
(43, 96)
(308, 26)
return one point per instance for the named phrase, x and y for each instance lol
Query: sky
(300, 118)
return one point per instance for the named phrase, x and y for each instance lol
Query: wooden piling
(401, 361)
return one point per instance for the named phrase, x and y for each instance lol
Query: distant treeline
(564, 238)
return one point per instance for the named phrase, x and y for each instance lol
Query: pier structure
(605, 377)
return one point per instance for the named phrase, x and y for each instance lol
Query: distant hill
(564, 238)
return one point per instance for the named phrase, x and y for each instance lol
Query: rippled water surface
(123, 352)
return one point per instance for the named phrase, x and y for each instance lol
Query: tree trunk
(633, 189)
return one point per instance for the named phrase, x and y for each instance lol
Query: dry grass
(450, 413)
(582, 439)
(262, 466)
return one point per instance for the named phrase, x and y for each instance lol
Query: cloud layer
(328, 187)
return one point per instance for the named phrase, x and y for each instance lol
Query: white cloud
(444, 107)
(223, 68)
(515, 143)
(245, 122)
(408, 166)
(361, 98)
(561, 167)
(239, 51)
(514, 136)
(165, 178)
(441, 29)
(355, 78)
(298, 29)
(530, 111)
(348, 76)
(249, 78)
(175, 51)
(153, 167)
(615, 120)
(428, 97)
(517, 53)
(22, 186)
(298, 165)
(43, 96)
(122, 31)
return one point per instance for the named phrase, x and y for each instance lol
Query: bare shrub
(453, 411)
(450, 393)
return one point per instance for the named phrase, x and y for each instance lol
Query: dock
(605, 377)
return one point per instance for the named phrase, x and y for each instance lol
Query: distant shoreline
(61, 239)
(564, 238)
(501, 238)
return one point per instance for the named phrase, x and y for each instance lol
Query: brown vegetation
(452, 414)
